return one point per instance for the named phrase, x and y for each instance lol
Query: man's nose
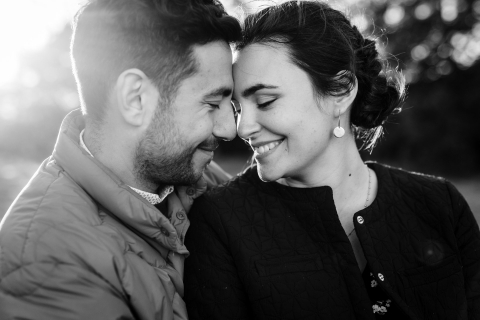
(224, 125)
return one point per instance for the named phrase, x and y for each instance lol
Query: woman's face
(285, 122)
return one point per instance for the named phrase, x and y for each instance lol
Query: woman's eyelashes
(238, 109)
(265, 104)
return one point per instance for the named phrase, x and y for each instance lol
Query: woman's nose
(247, 123)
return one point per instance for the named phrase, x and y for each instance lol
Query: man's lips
(209, 146)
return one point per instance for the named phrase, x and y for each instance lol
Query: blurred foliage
(32, 108)
(435, 43)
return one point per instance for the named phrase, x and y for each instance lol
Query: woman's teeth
(267, 147)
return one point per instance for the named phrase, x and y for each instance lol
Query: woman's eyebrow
(251, 90)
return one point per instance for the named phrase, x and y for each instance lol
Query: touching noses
(247, 124)
(224, 123)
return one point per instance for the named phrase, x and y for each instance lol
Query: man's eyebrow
(223, 91)
(251, 90)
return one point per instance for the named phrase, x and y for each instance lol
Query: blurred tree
(33, 106)
(437, 44)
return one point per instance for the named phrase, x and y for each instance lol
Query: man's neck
(154, 196)
(111, 153)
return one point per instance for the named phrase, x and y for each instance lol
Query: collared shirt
(152, 198)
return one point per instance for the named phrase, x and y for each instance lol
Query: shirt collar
(152, 198)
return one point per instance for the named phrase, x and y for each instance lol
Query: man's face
(181, 138)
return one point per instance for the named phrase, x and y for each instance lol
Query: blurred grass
(15, 173)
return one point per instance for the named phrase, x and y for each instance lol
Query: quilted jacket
(267, 251)
(77, 243)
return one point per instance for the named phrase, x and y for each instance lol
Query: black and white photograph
(240, 160)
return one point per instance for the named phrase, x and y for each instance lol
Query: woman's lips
(262, 150)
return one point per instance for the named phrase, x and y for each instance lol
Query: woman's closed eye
(265, 104)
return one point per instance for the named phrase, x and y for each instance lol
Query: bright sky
(26, 25)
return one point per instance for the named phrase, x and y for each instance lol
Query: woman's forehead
(261, 63)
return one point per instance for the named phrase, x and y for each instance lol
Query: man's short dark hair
(155, 36)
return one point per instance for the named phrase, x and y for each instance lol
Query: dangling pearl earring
(338, 132)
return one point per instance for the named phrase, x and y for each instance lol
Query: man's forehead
(214, 69)
(213, 57)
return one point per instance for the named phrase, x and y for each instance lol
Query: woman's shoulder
(402, 176)
(413, 184)
(229, 202)
(235, 190)
(236, 186)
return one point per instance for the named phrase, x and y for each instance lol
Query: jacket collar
(109, 191)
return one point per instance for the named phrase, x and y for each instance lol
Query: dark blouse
(267, 251)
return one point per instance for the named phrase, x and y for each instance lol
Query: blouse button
(381, 277)
(360, 219)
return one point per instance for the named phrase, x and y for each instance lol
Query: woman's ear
(343, 102)
(137, 97)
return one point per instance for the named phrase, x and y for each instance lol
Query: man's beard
(162, 157)
(158, 166)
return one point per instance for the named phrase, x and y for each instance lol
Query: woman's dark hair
(322, 42)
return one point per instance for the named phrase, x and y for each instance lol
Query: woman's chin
(267, 174)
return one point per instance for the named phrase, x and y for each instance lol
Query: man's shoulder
(51, 205)
(52, 223)
(51, 195)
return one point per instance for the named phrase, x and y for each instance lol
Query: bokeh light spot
(476, 7)
(394, 15)
(449, 10)
(420, 52)
(444, 67)
(361, 22)
(423, 11)
(444, 51)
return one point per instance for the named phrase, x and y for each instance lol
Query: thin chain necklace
(368, 197)
(368, 192)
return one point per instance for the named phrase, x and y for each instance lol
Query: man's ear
(343, 102)
(137, 97)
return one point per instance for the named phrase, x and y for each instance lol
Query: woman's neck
(342, 169)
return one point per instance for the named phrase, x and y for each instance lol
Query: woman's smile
(262, 150)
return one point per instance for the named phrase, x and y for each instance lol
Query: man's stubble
(162, 156)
